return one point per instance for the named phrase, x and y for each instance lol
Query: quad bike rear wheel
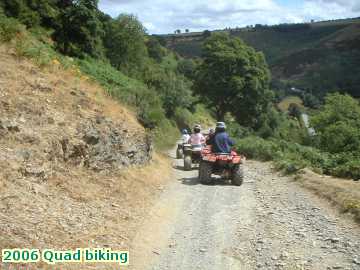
(205, 171)
(179, 153)
(187, 163)
(238, 176)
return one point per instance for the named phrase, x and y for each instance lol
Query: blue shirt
(221, 143)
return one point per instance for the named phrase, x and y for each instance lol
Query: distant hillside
(318, 57)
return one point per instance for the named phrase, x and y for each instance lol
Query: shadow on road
(192, 181)
(181, 168)
(220, 182)
(178, 167)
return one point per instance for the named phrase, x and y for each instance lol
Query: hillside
(317, 57)
(67, 157)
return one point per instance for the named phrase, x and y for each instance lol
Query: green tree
(187, 67)
(20, 9)
(294, 110)
(338, 124)
(80, 31)
(174, 90)
(125, 44)
(206, 34)
(234, 78)
(155, 50)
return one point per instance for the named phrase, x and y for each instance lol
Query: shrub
(257, 148)
(129, 91)
(288, 156)
(337, 124)
(165, 134)
(183, 118)
(347, 165)
(9, 28)
(186, 119)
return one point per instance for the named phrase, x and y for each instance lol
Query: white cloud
(164, 16)
(331, 9)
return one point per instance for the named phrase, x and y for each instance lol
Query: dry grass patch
(285, 103)
(343, 193)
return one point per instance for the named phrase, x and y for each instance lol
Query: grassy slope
(318, 58)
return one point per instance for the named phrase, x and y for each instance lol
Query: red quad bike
(228, 166)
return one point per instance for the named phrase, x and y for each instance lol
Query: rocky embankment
(47, 124)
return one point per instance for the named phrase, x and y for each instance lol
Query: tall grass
(290, 157)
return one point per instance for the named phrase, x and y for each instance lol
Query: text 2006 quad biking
(228, 166)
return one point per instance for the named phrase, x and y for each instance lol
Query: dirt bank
(76, 169)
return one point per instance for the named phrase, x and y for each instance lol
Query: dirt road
(268, 223)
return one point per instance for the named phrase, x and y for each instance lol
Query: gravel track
(267, 223)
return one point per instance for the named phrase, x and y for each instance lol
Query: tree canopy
(125, 43)
(338, 124)
(234, 78)
(80, 30)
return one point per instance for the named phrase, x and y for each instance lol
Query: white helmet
(220, 125)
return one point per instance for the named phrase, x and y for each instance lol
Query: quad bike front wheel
(238, 176)
(187, 163)
(205, 171)
(179, 153)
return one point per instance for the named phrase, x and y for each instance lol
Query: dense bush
(155, 49)
(257, 148)
(338, 124)
(9, 28)
(173, 89)
(338, 132)
(187, 67)
(127, 90)
(186, 119)
(288, 156)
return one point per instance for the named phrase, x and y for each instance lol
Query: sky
(166, 16)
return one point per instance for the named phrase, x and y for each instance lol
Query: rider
(185, 136)
(197, 138)
(221, 142)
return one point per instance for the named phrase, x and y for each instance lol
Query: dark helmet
(184, 131)
(197, 128)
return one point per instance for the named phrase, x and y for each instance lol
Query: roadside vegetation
(333, 150)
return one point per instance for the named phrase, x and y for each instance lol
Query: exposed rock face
(97, 145)
(103, 146)
(47, 123)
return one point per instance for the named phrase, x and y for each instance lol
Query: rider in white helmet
(185, 137)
